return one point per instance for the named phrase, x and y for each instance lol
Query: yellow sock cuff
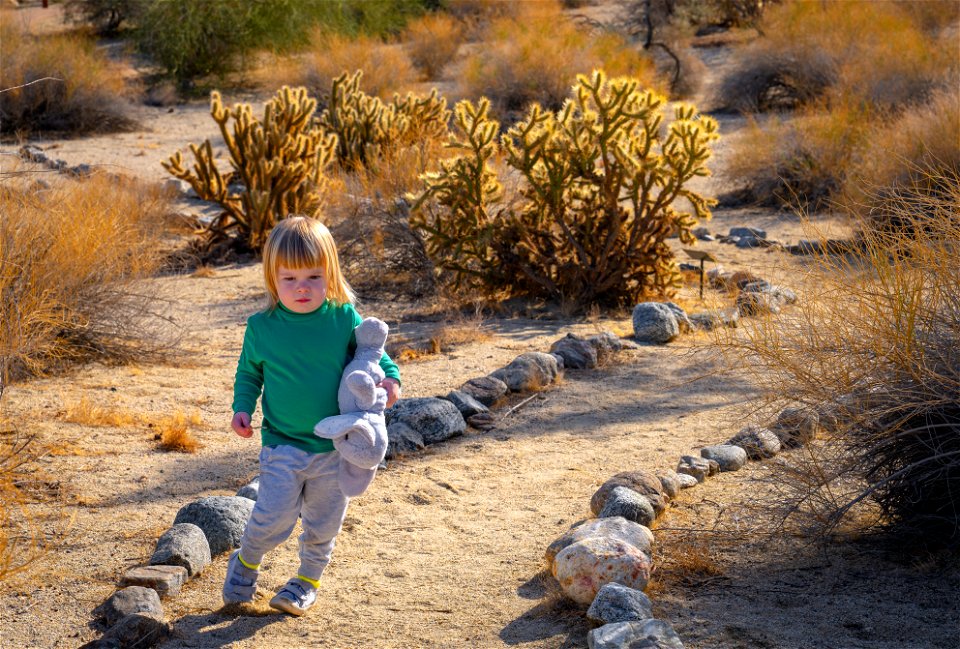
(313, 582)
(252, 566)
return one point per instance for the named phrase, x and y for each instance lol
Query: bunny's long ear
(363, 388)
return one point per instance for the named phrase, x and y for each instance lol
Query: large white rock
(584, 567)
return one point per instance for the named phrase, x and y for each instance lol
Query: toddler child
(294, 353)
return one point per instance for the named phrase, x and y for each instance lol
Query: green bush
(600, 183)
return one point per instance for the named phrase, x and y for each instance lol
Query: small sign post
(702, 256)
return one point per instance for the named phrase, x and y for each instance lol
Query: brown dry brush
(875, 348)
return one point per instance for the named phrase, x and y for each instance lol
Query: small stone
(703, 234)
(250, 490)
(617, 603)
(402, 440)
(129, 600)
(135, 630)
(467, 405)
(607, 344)
(643, 482)
(685, 480)
(758, 304)
(627, 503)
(222, 519)
(649, 634)
(482, 421)
(437, 420)
(796, 426)
(756, 233)
(758, 442)
(584, 567)
(615, 527)
(669, 483)
(529, 372)
(697, 467)
(183, 545)
(577, 353)
(727, 456)
(485, 389)
(166, 580)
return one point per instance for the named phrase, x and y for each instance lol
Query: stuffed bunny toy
(359, 433)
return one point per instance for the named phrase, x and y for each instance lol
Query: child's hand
(241, 424)
(392, 386)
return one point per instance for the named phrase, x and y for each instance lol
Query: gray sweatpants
(292, 483)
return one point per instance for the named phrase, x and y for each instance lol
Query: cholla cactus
(460, 233)
(278, 165)
(367, 128)
(597, 203)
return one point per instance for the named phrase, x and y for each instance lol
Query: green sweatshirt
(296, 359)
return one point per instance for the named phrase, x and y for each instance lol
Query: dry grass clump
(69, 260)
(58, 83)
(535, 58)
(174, 434)
(433, 41)
(905, 155)
(855, 51)
(875, 348)
(386, 67)
(87, 413)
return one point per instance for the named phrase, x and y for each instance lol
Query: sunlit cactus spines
(602, 183)
(367, 128)
(278, 165)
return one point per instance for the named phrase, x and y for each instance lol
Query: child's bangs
(300, 252)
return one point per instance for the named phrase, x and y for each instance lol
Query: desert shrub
(872, 52)
(433, 42)
(278, 167)
(369, 129)
(873, 346)
(386, 67)
(58, 83)
(105, 16)
(801, 163)
(600, 181)
(532, 60)
(918, 153)
(69, 257)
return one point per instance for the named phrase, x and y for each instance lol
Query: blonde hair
(303, 242)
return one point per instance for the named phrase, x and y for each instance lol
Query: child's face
(301, 290)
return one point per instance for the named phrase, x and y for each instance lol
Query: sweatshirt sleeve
(390, 369)
(249, 380)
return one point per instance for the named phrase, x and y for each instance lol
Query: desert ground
(446, 548)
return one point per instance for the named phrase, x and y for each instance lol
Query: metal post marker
(702, 256)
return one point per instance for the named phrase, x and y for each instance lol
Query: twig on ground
(520, 405)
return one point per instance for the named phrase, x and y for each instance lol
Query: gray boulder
(435, 419)
(129, 600)
(467, 405)
(649, 634)
(758, 442)
(727, 456)
(250, 490)
(685, 480)
(402, 440)
(710, 320)
(618, 603)
(654, 322)
(607, 344)
(643, 482)
(697, 467)
(756, 233)
(762, 303)
(184, 545)
(627, 503)
(529, 372)
(485, 389)
(222, 519)
(576, 352)
(669, 483)
(619, 528)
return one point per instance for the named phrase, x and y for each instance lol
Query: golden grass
(87, 413)
(387, 69)
(86, 92)
(433, 41)
(537, 58)
(443, 340)
(174, 433)
(70, 257)
(874, 344)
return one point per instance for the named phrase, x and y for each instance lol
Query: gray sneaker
(295, 597)
(240, 585)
